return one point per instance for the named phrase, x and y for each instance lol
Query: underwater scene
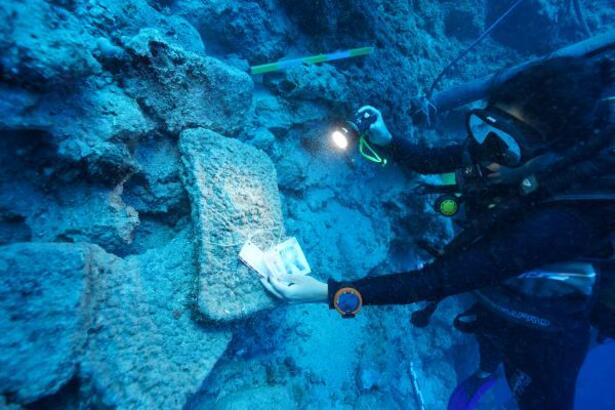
(307, 204)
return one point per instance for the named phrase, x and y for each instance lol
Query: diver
(535, 178)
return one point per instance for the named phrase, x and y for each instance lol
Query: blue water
(141, 147)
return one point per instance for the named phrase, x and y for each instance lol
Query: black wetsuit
(541, 367)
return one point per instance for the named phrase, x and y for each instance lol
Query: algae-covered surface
(138, 153)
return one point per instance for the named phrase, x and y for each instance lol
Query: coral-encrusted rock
(81, 213)
(144, 350)
(91, 125)
(156, 188)
(234, 198)
(315, 83)
(86, 215)
(130, 16)
(184, 90)
(43, 46)
(123, 326)
(42, 289)
(255, 30)
(96, 126)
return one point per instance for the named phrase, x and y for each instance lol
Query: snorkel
(351, 134)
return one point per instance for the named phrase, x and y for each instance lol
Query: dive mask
(496, 136)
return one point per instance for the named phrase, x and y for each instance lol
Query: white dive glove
(378, 132)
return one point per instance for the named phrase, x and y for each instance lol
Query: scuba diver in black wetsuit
(535, 178)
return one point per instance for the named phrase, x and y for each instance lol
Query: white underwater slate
(234, 198)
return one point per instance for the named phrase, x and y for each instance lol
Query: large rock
(96, 126)
(80, 213)
(42, 297)
(234, 198)
(183, 90)
(321, 83)
(156, 188)
(127, 17)
(145, 350)
(255, 30)
(333, 17)
(43, 46)
(92, 125)
(123, 326)
(85, 215)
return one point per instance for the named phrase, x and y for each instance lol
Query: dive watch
(348, 302)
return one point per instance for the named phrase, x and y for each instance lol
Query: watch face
(348, 302)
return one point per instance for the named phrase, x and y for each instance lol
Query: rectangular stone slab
(234, 197)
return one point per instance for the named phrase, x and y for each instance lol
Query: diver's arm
(427, 160)
(547, 236)
(418, 157)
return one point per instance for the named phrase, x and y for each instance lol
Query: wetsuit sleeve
(427, 160)
(544, 237)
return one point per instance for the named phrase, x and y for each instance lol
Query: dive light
(354, 133)
(344, 136)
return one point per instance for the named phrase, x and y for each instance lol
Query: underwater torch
(352, 133)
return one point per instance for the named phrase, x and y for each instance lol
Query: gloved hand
(296, 288)
(501, 175)
(378, 132)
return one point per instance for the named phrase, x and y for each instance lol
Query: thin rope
(581, 17)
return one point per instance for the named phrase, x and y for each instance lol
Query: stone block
(234, 198)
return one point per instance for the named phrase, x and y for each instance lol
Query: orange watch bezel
(346, 290)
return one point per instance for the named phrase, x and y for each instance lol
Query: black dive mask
(496, 136)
